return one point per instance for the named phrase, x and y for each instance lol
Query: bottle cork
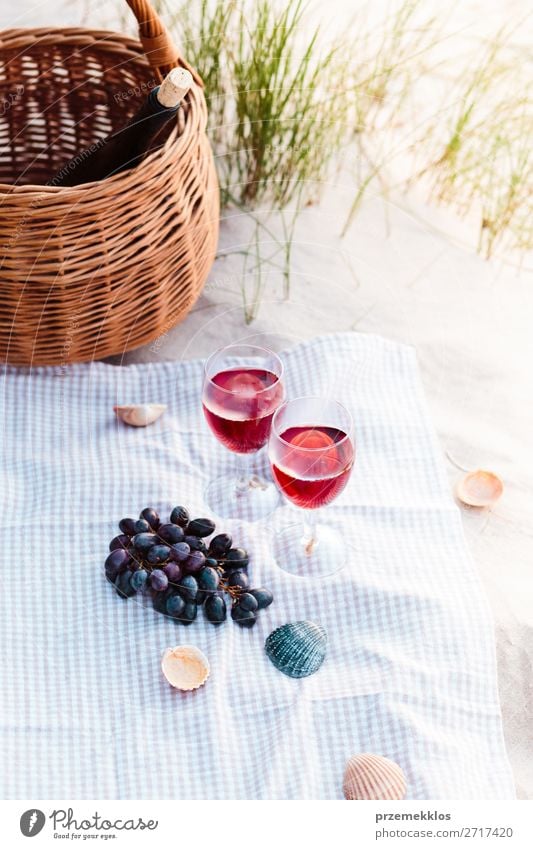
(174, 87)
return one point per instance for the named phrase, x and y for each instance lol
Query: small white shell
(479, 488)
(369, 776)
(140, 415)
(185, 667)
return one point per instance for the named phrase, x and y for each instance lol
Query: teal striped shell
(298, 649)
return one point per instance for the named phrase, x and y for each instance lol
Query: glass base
(250, 497)
(309, 554)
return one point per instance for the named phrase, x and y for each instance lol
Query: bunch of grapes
(174, 562)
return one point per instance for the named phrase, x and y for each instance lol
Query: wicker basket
(98, 269)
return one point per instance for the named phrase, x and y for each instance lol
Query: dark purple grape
(212, 562)
(188, 587)
(158, 581)
(263, 597)
(142, 542)
(142, 527)
(173, 571)
(122, 541)
(136, 558)
(119, 557)
(179, 516)
(220, 545)
(116, 563)
(249, 622)
(236, 558)
(151, 516)
(123, 586)
(179, 552)
(175, 605)
(215, 609)
(200, 528)
(170, 533)
(235, 611)
(196, 544)
(248, 602)
(159, 601)
(238, 579)
(195, 562)
(208, 579)
(189, 613)
(127, 526)
(157, 554)
(246, 618)
(138, 579)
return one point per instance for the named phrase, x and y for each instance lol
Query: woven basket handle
(160, 50)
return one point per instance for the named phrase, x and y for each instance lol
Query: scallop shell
(298, 649)
(185, 667)
(369, 776)
(140, 415)
(479, 488)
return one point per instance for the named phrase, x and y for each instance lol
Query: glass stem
(242, 466)
(309, 538)
(246, 479)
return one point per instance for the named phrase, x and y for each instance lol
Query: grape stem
(232, 591)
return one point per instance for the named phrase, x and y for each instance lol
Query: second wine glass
(312, 452)
(243, 388)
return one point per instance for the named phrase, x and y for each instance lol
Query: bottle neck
(156, 106)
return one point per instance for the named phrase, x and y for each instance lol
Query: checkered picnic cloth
(410, 670)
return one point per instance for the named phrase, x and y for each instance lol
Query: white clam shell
(368, 776)
(140, 415)
(479, 488)
(185, 667)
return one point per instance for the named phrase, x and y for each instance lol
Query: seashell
(185, 667)
(369, 776)
(479, 488)
(298, 649)
(140, 415)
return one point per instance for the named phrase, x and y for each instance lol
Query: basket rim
(45, 35)
(113, 42)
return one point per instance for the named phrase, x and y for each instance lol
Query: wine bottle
(126, 147)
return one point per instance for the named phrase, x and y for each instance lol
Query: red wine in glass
(312, 464)
(239, 404)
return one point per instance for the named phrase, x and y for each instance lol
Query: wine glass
(242, 390)
(312, 452)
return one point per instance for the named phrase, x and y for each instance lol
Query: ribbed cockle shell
(369, 776)
(298, 649)
(140, 415)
